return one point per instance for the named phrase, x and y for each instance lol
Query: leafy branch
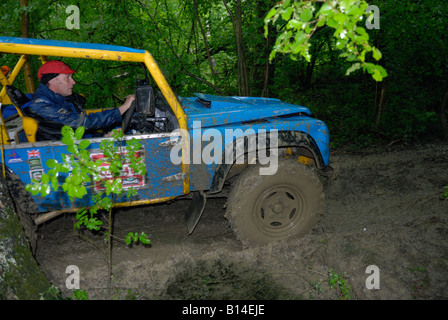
(303, 18)
(83, 173)
(338, 282)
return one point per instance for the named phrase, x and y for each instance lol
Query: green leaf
(355, 11)
(54, 182)
(84, 144)
(285, 3)
(353, 68)
(72, 148)
(144, 238)
(108, 188)
(295, 24)
(67, 140)
(377, 75)
(377, 54)
(94, 224)
(321, 21)
(79, 191)
(377, 71)
(286, 15)
(270, 14)
(45, 179)
(51, 163)
(339, 17)
(44, 189)
(79, 133)
(300, 37)
(117, 134)
(332, 23)
(67, 131)
(128, 238)
(80, 213)
(326, 9)
(306, 15)
(32, 187)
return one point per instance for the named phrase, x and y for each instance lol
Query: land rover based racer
(270, 151)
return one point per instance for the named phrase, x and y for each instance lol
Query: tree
(303, 18)
(237, 22)
(416, 58)
(20, 275)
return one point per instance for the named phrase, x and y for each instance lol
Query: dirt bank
(384, 209)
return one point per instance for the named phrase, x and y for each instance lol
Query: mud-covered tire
(267, 208)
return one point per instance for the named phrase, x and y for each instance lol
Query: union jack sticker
(33, 154)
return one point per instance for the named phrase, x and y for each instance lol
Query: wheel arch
(302, 141)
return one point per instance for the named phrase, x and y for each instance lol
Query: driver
(56, 105)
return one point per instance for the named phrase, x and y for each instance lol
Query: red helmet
(54, 66)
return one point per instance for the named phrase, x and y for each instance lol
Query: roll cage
(44, 48)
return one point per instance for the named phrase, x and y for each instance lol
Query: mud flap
(195, 210)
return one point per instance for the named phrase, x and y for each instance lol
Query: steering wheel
(128, 116)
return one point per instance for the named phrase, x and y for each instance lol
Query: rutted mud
(385, 209)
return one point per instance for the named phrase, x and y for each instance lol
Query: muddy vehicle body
(269, 151)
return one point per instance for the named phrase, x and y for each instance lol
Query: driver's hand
(125, 106)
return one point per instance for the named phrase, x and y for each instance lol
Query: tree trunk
(27, 72)
(380, 108)
(268, 68)
(204, 36)
(20, 276)
(237, 22)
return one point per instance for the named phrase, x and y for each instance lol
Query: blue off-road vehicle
(267, 152)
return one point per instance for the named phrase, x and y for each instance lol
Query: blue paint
(68, 44)
(228, 110)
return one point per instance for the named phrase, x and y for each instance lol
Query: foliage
(338, 282)
(53, 293)
(303, 18)
(79, 295)
(83, 172)
(404, 107)
(80, 172)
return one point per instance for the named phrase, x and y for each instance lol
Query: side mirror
(144, 96)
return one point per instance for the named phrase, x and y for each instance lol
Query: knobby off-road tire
(267, 208)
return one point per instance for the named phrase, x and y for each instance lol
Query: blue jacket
(53, 111)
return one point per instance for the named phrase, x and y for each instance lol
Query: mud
(384, 209)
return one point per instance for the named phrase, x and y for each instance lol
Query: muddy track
(384, 209)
